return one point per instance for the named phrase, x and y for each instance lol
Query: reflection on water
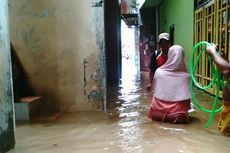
(136, 133)
(129, 131)
(124, 129)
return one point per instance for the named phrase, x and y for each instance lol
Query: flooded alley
(74, 74)
(124, 128)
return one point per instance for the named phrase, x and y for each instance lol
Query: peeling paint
(85, 62)
(5, 109)
(7, 138)
(98, 92)
(95, 94)
(22, 11)
(97, 3)
(95, 75)
(41, 14)
(6, 141)
(1, 41)
(31, 39)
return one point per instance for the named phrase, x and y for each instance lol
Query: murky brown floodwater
(124, 129)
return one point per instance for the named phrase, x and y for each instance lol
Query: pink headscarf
(171, 80)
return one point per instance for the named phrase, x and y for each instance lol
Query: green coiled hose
(216, 80)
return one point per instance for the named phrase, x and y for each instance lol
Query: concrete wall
(7, 138)
(61, 46)
(179, 13)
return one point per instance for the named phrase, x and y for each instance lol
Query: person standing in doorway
(159, 57)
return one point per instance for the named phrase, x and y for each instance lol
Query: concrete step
(27, 108)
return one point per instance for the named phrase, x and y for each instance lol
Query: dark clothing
(157, 59)
(153, 60)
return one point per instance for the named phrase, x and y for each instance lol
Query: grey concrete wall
(7, 138)
(61, 46)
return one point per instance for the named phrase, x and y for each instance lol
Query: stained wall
(7, 127)
(61, 46)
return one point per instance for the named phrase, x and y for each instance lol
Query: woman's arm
(222, 65)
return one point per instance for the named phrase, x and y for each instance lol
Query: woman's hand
(148, 87)
(211, 50)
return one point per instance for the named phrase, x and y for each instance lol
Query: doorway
(130, 51)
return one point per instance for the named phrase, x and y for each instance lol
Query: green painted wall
(179, 13)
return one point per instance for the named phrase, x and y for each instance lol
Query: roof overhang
(148, 12)
(130, 19)
(150, 3)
